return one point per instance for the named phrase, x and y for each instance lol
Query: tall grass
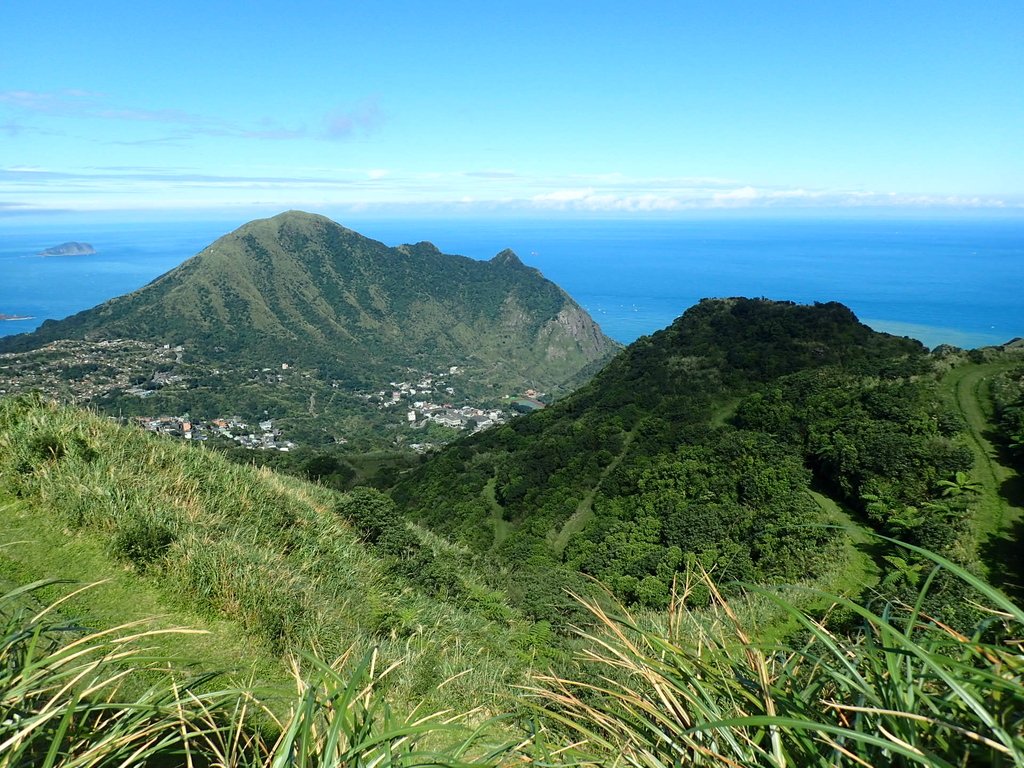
(696, 689)
(62, 692)
(266, 552)
(340, 719)
(70, 697)
(899, 689)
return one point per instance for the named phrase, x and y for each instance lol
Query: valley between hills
(764, 535)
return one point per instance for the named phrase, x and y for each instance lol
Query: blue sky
(561, 108)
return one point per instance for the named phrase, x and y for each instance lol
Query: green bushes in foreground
(694, 688)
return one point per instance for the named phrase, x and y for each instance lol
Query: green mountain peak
(507, 258)
(300, 289)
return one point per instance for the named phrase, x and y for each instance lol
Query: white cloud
(743, 193)
(134, 187)
(564, 196)
(363, 118)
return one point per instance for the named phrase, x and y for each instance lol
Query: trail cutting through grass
(501, 525)
(33, 548)
(860, 569)
(996, 515)
(585, 509)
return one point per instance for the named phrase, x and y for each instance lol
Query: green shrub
(142, 541)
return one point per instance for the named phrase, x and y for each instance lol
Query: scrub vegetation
(764, 536)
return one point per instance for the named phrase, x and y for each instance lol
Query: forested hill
(718, 439)
(301, 289)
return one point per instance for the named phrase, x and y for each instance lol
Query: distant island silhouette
(69, 249)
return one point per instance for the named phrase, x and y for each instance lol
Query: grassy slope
(999, 508)
(717, 679)
(33, 549)
(258, 560)
(861, 569)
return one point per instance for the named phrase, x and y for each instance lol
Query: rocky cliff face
(574, 323)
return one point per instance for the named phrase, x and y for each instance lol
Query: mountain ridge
(300, 289)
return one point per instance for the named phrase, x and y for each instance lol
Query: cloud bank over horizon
(27, 190)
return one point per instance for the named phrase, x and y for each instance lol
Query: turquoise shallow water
(956, 282)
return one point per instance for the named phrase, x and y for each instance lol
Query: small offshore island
(69, 249)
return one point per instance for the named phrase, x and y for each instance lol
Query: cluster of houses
(421, 412)
(267, 438)
(466, 417)
(429, 383)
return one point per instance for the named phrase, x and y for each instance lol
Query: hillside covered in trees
(752, 437)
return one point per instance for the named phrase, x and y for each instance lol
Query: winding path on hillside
(557, 539)
(999, 509)
(585, 509)
(497, 514)
(858, 558)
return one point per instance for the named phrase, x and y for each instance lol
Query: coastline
(919, 279)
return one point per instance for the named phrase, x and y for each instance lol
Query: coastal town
(128, 370)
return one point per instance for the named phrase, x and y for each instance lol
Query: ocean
(954, 281)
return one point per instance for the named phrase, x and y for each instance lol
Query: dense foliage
(703, 443)
(1008, 396)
